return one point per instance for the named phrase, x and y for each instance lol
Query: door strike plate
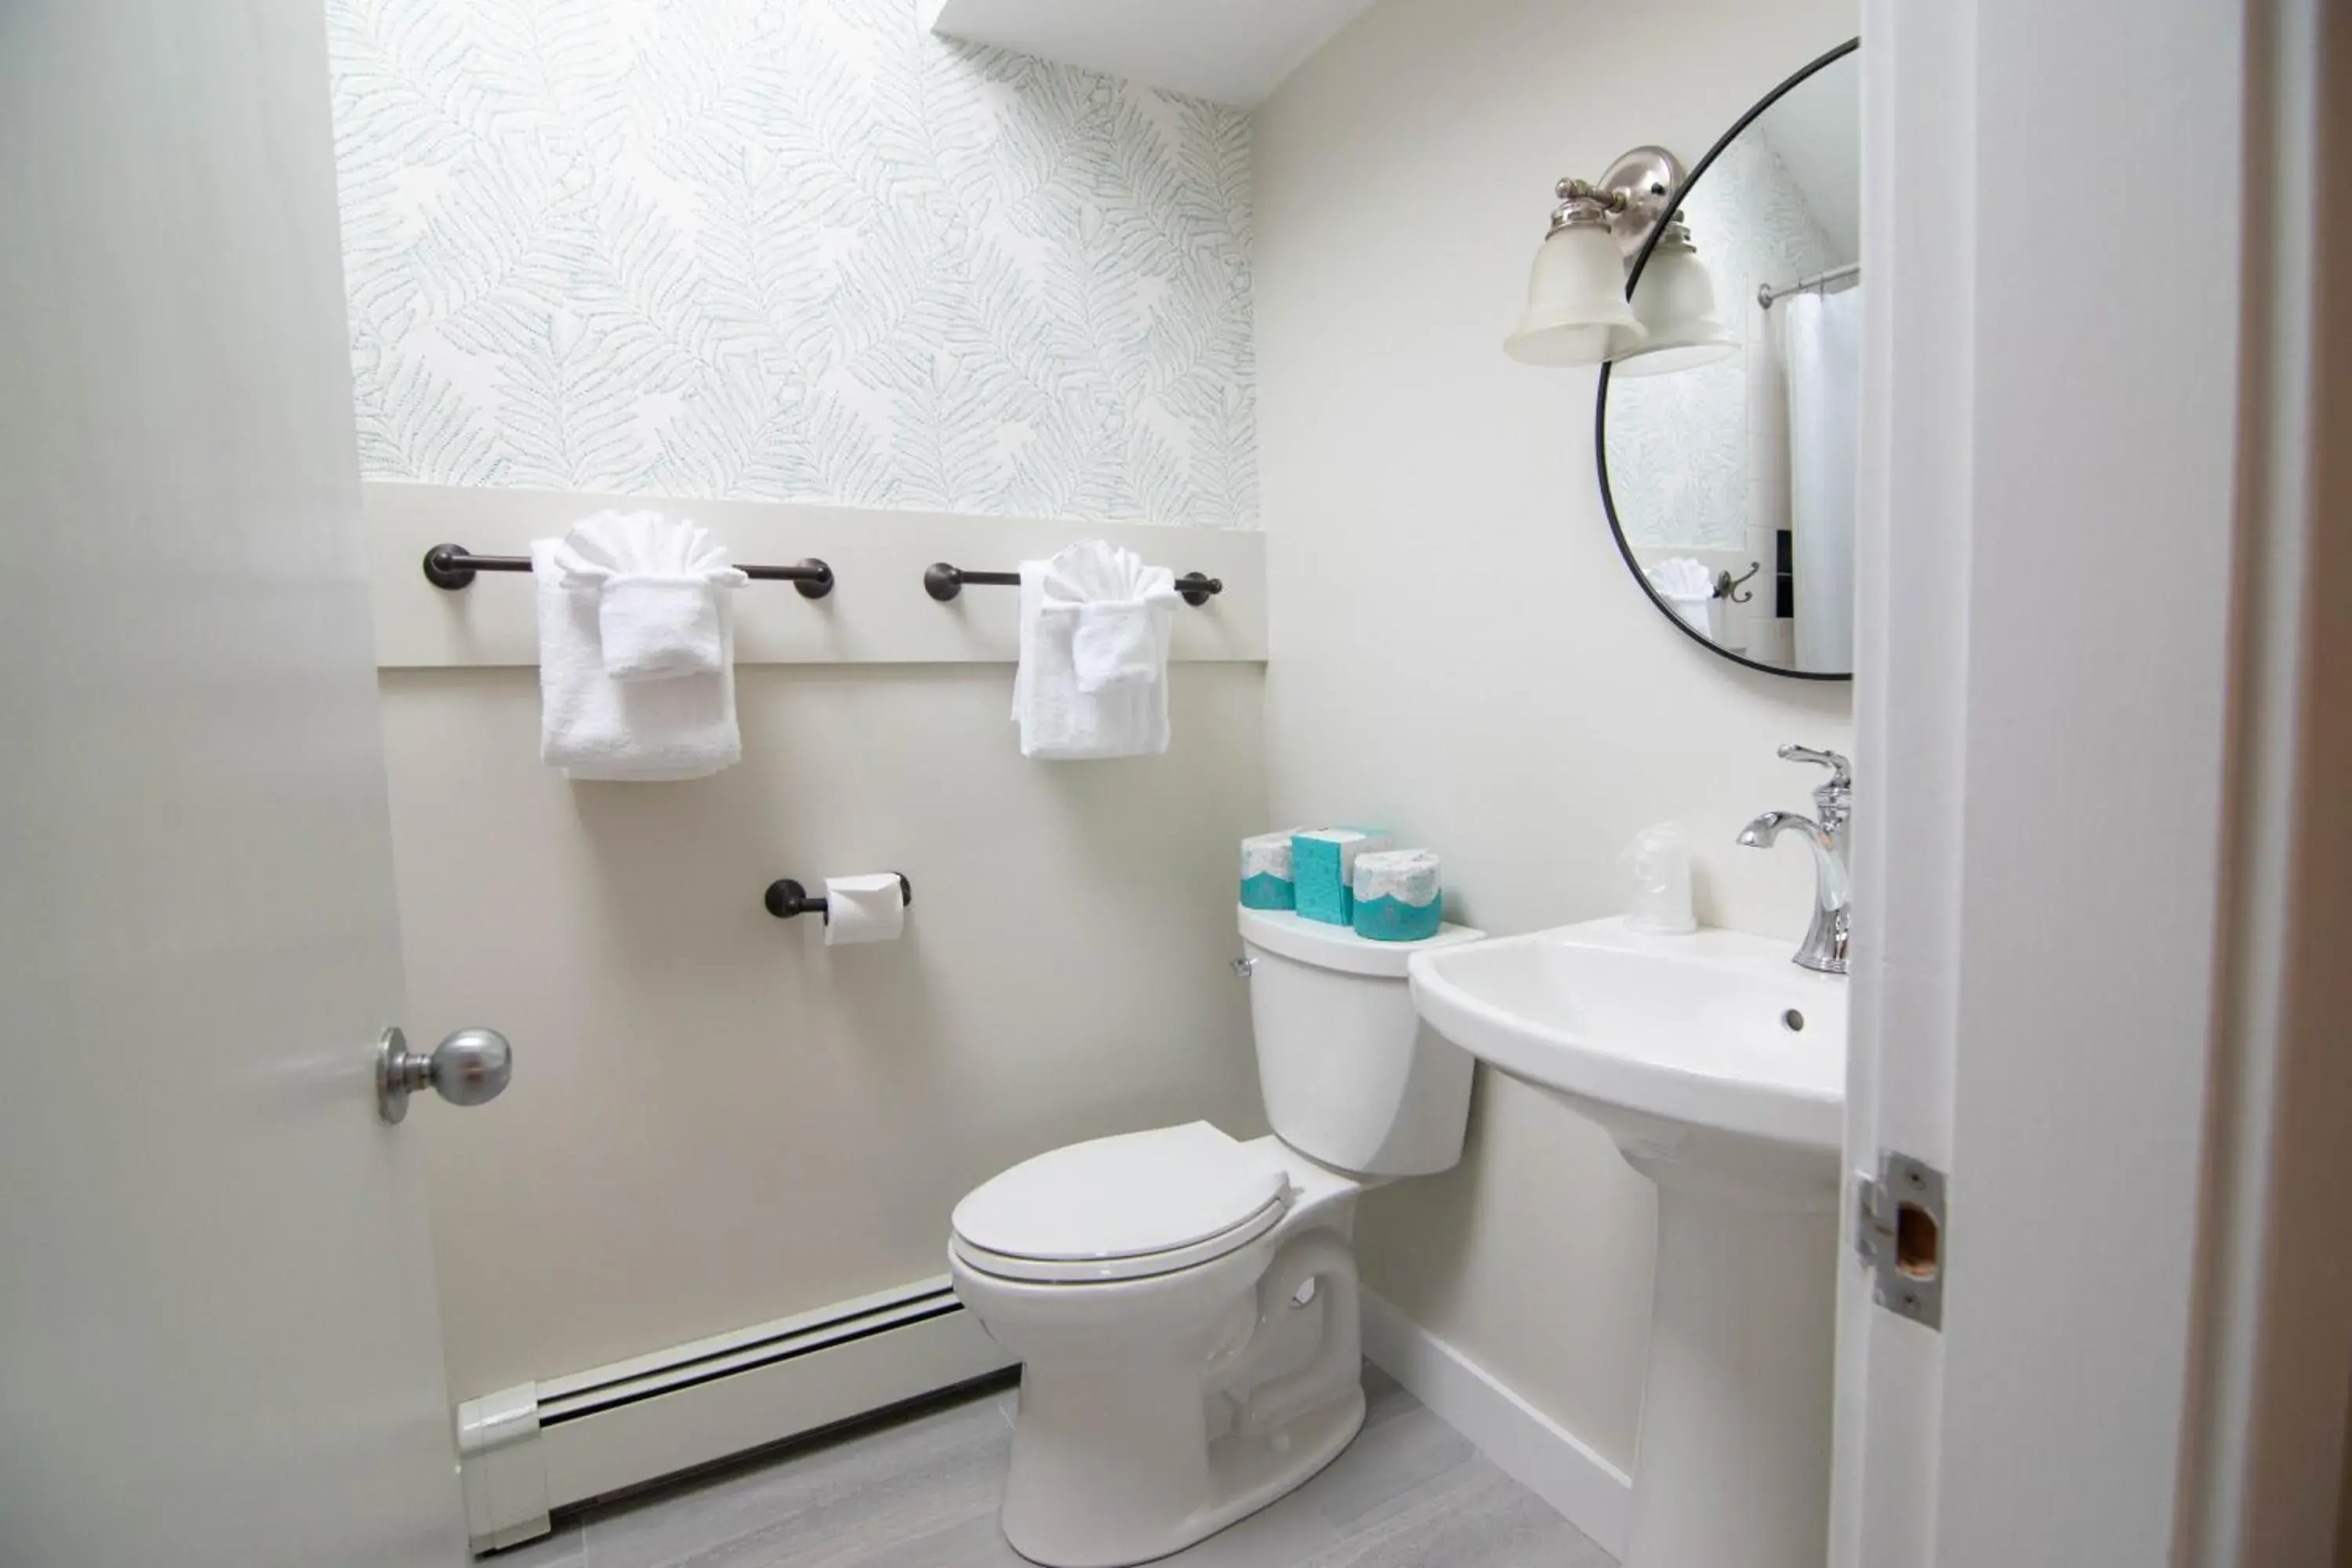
(1901, 1236)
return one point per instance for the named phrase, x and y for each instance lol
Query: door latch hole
(1917, 1242)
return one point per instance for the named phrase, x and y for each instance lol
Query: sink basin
(1715, 1031)
(1718, 1066)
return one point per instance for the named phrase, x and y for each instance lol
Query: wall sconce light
(1674, 301)
(1577, 311)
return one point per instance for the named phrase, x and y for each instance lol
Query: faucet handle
(1840, 769)
(1841, 779)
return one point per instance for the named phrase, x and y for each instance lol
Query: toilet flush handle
(1244, 966)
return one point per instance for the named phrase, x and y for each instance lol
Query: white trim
(501, 1469)
(528, 1450)
(1920, 106)
(1529, 1447)
(876, 613)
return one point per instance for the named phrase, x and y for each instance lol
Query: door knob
(469, 1068)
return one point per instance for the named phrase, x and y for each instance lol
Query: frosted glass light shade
(1674, 300)
(1577, 311)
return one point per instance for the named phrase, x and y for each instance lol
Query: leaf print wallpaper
(788, 250)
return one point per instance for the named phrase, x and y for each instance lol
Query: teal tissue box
(1323, 870)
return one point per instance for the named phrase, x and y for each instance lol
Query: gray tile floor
(921, 1492)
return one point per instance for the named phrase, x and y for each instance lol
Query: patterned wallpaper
(1677, 444)
(788, 249)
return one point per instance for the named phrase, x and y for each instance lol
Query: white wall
(715, 1121)
(1458, 651)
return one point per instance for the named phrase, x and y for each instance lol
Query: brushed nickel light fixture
(1577, 312)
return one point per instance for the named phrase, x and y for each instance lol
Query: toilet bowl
(1184, 1304)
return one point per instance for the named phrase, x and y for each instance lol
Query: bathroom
(305, 291)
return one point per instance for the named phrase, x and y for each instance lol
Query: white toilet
(1184, 1305)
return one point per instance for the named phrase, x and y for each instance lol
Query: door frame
(2109, 705)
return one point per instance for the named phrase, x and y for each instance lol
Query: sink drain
(1793, 1021)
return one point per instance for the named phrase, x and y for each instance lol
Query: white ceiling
(1817, 132)
(1231, 51)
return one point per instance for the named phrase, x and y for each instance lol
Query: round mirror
(1727, 470)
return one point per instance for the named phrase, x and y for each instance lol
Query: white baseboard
(528, 1450)
(541, 1446)
(1529, 1447)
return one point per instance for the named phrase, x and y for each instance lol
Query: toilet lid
(1134, 1196)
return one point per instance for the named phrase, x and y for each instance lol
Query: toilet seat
(1104, 1270)
(1122, 1208)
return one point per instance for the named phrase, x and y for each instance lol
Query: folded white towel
(1122, 605)
(1688, 588)
(660, 585)
(1095, 622)
(1682, 577)
(594, 727)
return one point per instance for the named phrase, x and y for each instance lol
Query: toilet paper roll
(870, 906)
(1398, 895)
(1266, 881)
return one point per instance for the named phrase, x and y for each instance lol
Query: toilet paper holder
(786, 897)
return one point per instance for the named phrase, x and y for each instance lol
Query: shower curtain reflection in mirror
(1824, 355)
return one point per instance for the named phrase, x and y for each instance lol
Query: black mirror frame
(1601, 408)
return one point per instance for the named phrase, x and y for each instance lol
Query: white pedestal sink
(1718, 1067)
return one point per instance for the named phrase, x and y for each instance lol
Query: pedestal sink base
(1717, 1068)
(1734, 1468)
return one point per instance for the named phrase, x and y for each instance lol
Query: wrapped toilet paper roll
(1398, 895)
(1265, 872)
(870, 906)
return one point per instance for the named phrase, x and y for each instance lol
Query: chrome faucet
(1824, 945)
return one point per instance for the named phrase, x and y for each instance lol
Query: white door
(2061, 774)
(218, 1342)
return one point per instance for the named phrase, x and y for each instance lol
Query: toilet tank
(1352, 1076)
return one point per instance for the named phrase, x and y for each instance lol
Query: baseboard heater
(527, 1451)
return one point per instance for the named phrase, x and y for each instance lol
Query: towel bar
(943, 582)
(452, 566)
(786, 897)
